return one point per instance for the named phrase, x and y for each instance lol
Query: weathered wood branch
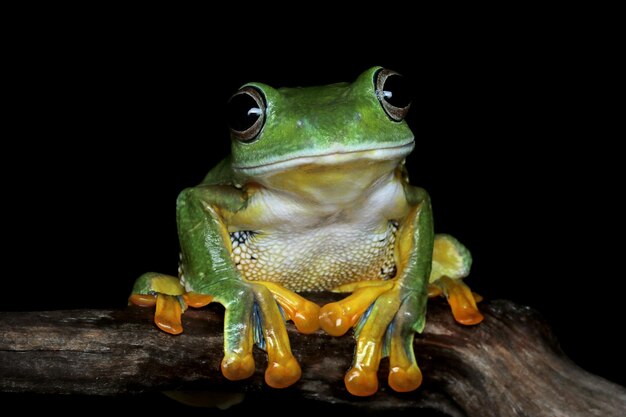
(510, 365)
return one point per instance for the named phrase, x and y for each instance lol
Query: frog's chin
(334, 157)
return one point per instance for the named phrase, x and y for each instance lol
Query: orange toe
(143, 300)
(282, 374)
(168, 314)
(235, 368)
(334, 320)
(464, 308)
(434, 291)
(361, 383)
(196, 300)
(405, 380)
(462, 301)
(306, 318)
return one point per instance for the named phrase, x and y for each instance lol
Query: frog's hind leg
(451, 263)
(167, 294)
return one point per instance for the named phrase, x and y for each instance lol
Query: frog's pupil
(243, 112)
(396, 91)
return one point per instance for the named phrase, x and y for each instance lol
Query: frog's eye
(246, 113)
(394, 93)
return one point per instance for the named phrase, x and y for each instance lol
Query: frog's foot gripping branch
(451, 263)
(386, 315)
(252, 316)
(167, 294)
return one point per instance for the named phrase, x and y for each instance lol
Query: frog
(314, 196)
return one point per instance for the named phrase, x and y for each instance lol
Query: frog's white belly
(330, 235)
(317, 259)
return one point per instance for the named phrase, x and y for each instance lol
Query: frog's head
(275, 131)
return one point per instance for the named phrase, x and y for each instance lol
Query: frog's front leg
(388, 313)
(251, 311)
(209, 274)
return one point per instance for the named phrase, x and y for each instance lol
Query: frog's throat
(335, 156)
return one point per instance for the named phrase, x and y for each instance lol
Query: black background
(514, 143)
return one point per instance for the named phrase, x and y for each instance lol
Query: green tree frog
(314, 197)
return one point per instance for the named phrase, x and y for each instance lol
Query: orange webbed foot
(462, 301)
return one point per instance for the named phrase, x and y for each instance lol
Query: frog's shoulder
(221, 174)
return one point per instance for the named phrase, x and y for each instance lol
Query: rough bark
(509, 365)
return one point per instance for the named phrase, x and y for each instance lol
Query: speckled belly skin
(317, 259)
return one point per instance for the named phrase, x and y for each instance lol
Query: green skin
(302, 123)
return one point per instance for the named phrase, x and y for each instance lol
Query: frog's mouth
(337, 156)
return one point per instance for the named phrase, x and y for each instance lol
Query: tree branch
(509, 365)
